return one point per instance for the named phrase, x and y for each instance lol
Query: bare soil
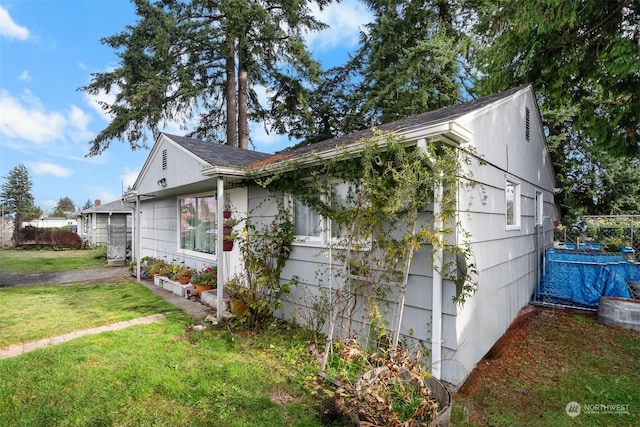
(543, 350)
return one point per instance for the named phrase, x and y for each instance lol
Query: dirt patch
(526, 356)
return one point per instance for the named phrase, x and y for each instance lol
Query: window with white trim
(312, 227)
(512, 194)
(308, 223)
(197, 224)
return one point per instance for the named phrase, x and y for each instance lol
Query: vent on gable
(527, 129)
(164, 158)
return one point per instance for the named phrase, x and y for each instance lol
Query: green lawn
(30, 313)
(166, 374)
(160, 374)
(49, 261)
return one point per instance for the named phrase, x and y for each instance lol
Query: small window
(307, 222)
(512, 194)
(164, 159)
(527, 124)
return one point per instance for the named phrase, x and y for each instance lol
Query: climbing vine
(400, 198)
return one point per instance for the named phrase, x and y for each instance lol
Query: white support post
(219, 252)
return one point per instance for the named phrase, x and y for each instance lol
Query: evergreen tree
(583, 58)
(65, 206)
(17, 197)
(87, 205)
(203, 58)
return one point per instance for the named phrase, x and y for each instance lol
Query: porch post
(219, 252)
(137, 229)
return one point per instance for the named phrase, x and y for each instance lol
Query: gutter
(448, 132)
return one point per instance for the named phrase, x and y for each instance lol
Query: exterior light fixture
(162, 183)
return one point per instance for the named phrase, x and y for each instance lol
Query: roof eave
(223, 171)
(449, 132)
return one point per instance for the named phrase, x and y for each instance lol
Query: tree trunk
(230, 92)
(243, 118)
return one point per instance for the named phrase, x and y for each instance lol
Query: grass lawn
(167, 374)
(33, 312)
(162, 374)
(49, 261)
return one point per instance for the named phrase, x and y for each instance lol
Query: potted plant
(227, 241)
(228, 224)
(159, 267)
(182, 274)
(238, 295)
(205, 279)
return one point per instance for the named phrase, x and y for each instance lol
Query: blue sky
(49, 48)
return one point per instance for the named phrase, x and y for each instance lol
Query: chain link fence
(612, 234)
(587, 266)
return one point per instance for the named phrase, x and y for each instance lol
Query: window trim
(303, 239)
(517, 204)
(325, 238)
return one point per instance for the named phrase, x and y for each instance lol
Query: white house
(185, 185)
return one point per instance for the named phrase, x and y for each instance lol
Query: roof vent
(527, 122)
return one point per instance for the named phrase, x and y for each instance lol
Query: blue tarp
(582, 277)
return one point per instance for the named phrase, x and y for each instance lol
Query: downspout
(436, 276)
(436, 289)
(219, 252)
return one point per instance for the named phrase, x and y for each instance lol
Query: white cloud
(10, 29)
(102, 194)
(27, 119)
(129, 178)
(345, 19)
(48, 203)
(25, 75)
(94, 101)
(44, 168)
(267, 142)
(79, 120)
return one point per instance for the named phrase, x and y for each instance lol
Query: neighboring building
(6, 231)
(185, 184)
(53, 222)
(109, 225)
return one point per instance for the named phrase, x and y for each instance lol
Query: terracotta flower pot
(184, 280)
(237, 306)
(201, 288)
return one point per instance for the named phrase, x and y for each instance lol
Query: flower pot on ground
(205, 279)
(237, 306)
(202, 288)
(182, 274)
(239, 296)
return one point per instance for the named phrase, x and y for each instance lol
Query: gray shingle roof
(219, 154)
(432, 117)
(224, 155)
(117, 206)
